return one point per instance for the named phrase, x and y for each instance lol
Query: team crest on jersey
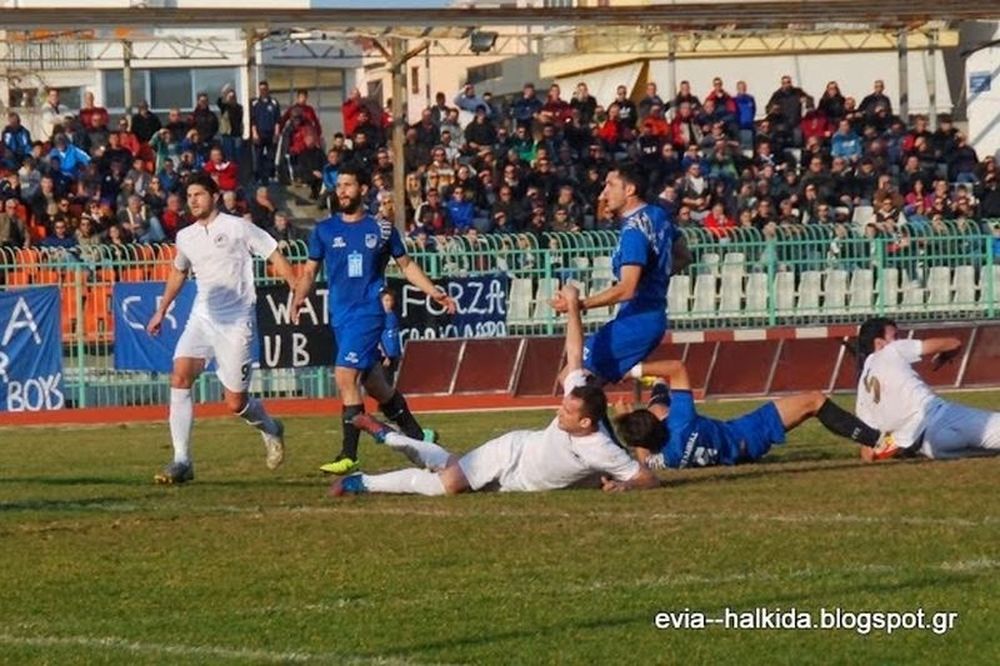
(220, 240)
(338, 241)
(371, 241)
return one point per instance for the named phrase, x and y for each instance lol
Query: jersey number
(245, 371)
(873, 386)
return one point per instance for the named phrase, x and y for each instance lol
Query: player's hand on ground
(609, 485)
(445, 301)
(155, 323)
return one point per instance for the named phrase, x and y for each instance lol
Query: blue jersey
(390, 337)
(694, 440)
(355, 255)
(647, 240)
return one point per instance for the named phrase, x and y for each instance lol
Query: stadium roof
(769, 14)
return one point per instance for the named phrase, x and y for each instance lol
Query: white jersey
(220, 254)
(891, 395)
(534, 460)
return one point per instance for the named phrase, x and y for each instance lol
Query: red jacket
(351, 109)
(224, 173)
(719, 227)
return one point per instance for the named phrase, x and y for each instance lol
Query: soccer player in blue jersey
(670, 433)
(355, 248)
(649, 250)
(389, 344)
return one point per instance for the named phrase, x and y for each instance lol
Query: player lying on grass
(893, 397)
(671, 433)
(573, 449)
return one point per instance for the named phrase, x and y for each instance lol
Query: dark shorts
(621, 343)
(753, 434)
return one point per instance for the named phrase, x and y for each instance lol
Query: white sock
(181, 417)
(405, 481)
(427, 454)
(255, 414)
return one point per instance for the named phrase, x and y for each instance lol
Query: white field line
(112, 643)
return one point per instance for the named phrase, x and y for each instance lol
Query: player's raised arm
(574, 328)
(173, 287)
(416, 276)
(675, 372)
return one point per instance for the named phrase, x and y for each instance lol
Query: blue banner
(134, 304)
(30, 350)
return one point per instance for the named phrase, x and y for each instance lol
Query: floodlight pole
(398, 70)
(904, 76)
(932, 115)
(127, 75)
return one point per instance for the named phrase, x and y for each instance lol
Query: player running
(892, 397)
(355, 249)
(574, 447)
(218, 249)
(649, 250)
(671, 434)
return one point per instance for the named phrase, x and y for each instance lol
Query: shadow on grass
(764, 468)
(77, 504)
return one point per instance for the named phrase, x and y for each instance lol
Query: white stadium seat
(810, 285)
(784, 292)
(704, 295)
(835, 292)
(888, 289)
(757, 295)
(913, 294)
(710, 262)
(984, 285)
(546, 290)
(965, 287)
(861, 291)
(519, 310)
(939, 286)
(679, 296)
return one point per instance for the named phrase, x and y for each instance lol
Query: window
(170, 88)
(114, 88)
(558, 4)
(167, 88)
(482, 73)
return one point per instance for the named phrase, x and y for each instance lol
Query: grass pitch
(244, 566)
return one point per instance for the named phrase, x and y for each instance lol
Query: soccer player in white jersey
(573, 449)
(219, 250)
(893, 398)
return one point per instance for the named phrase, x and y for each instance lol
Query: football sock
(397, 411)
(425, 454)
(351, 432)
(181, 416)
(255, 414)
(841, 422)
(406, 481)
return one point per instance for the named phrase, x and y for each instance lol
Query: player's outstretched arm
(941, 350)
(302, 286)
(416, 276)
(283, 268)
(675, 372)
(644, 479)
(574, 328)
(173, 287)
(621, 291)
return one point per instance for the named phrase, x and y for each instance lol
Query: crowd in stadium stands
(479, 165)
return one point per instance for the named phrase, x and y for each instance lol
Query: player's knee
(181, 380)
(816, 400)
(236, 402)
(453, 479)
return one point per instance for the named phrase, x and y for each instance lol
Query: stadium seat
(547, 288)
(731, 291)
(710, 263)
(784, 292)
(965, 287)
(985, 294)
(519, 309)
(757, 295)
(888, 289)
(938, 286)
(678, 296)
(913, 295)
(735, 258)
(47, 276)
(70, 303)
(810, 287)
(98, 318)
(160, 270)
(704, 295)
(132, 274)
(601, 275)
(862, 290)
(835, 292)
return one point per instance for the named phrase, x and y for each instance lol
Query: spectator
(62, 241)
(309, 165)
(71, 158)
(467, 100)
(95, 120)
(136, 221)
(139, 176)
(717, 222)
(526, 107)
(962, 161)
(53, 113)
(261, 208)
(174, 217)
(556, 110)
(461, 212)
(88, 240)
(129, 141)
(265, 115)
(845, 143)
(584, 103)
(746, 113)
(989, 198)
(144, 123)
(155, 198)
(451, 129)
(628, 114)
(16, 139)
(876, 99)
(721, 98)
(440, 109)
(283, 231)
(788, 101)
(652, 98)
(685, 96)
(45, 203)
(222, 170)
(350, 110)
(831, 103)
(230, 123)
(204, 120)
(480, 134)
(427, 132)
(13, 230)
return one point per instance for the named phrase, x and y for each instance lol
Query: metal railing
(786, 275)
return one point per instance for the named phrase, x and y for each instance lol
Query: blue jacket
(461, 213)
(746, 110)
(18, 141)
(264, 115)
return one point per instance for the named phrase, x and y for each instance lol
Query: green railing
(788, 275)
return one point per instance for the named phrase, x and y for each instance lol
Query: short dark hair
(360, 174)
(204, 180)
(595, 403)
(634, 175)
(871, 330)
(641, 428)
